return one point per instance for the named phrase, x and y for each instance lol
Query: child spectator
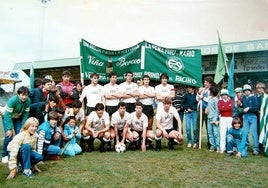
(16, 113)
(189, 104)
(22, 150)
(77, 90)
(46, 133)
(45, 107)
(238, 110)
(225, 106)
(73, 135)
(66, 88)
(213, 120)
(250, 109)
(237, 137)
(79, 115)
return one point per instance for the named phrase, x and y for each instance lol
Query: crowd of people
(66, 118)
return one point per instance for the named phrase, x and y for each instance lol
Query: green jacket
(16, 109)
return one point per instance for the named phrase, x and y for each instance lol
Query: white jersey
(137, 124)
(149, 90)
(80, 116)
(98, 123)
(110, 90)
(164, 91)
(121, 122)
(166, 118)
(93, 94)
(124, 87)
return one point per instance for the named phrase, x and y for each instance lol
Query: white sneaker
(189, 145)
(5, 159)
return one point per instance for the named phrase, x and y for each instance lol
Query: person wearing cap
(238, 110)
(250, 107)
(225, 106)
(66, 88)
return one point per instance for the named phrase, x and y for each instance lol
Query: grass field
(183, 167)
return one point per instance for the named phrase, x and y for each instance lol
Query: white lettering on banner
(122, 62)
(185, 80)
(187, 53)
(137, 74)
(154, 75)
(170, 52)
(94, 61)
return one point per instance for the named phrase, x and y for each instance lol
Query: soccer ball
(120, 148)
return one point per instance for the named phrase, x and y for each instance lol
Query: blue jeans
(53, 150)
(232, 142)
(191, 120)
(27, 157)
(17, 128)
(250, 121)
(213, 134)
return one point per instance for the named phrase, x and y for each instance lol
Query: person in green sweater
(16, 113)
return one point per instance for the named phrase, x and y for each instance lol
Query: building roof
(65, 62)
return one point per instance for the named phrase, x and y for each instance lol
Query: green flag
(221, 63)
(230, 86)
(263, 138)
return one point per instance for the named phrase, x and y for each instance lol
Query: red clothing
(67, 88)
(226, 107)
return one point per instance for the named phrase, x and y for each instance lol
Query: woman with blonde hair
(22, 150)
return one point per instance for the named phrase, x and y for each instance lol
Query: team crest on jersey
(175, 64)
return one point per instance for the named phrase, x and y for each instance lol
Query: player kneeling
(136, 128)
(164, 125)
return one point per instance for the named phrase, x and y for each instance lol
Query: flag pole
(200, 124)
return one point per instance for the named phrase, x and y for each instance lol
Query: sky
(31, 30)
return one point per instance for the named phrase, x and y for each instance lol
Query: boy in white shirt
(93, 93)
(129, 91)
(97, 126)
(163, 90)
(137, 128)
(164, 125)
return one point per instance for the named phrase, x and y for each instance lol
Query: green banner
(182, 66)
(102, 61)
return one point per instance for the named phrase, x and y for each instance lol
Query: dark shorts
(89, 110)
(111, 109)
(148, 110)
(169, 130)
(130, 107)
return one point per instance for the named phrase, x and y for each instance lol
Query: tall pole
(42, 28)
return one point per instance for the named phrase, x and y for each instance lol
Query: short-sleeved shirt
(93, 94)
(166, 118)
(80, 116)
(110, 90)
(124, 87)
(144, 90)
(137, 124)
(164, 91)
(121, 122)
(98, 123)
